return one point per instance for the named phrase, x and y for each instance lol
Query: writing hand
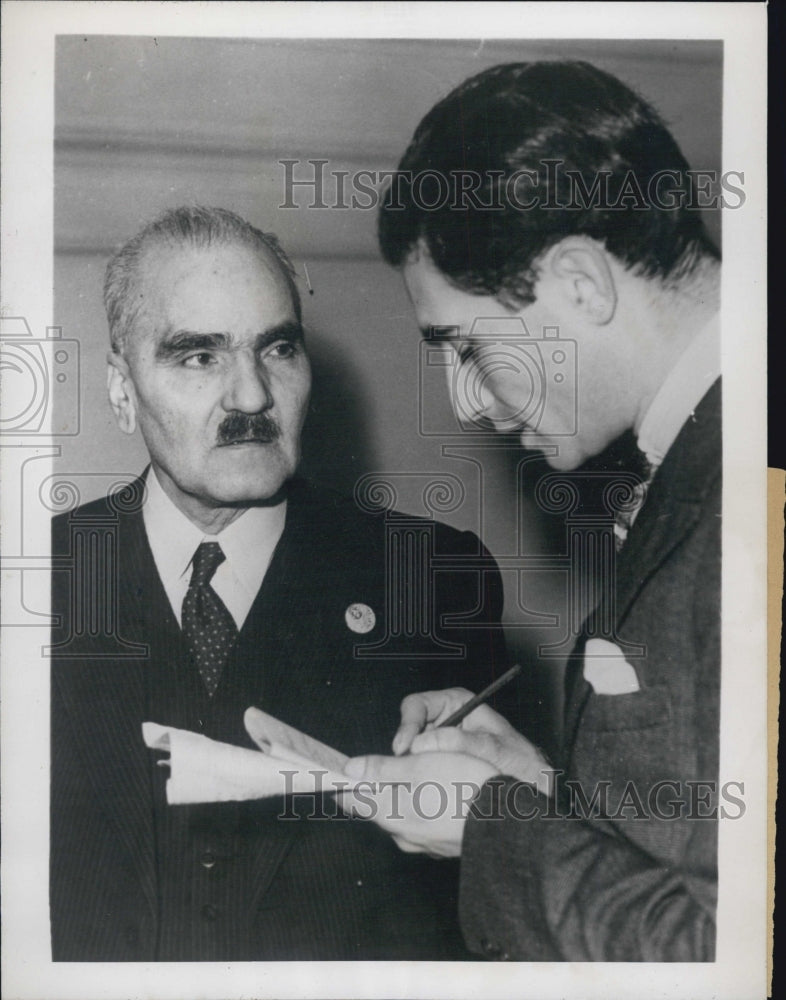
(484, 733)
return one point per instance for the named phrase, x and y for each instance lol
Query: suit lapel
(671, 510)
(288, 627)
(674, 502)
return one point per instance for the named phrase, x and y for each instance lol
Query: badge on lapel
(360, 618)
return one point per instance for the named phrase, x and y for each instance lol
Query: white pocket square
(607, 670)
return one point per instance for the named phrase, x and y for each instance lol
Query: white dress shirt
(683, 389)
(248, 544)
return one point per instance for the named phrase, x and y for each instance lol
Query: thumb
(364, 767)
(254, 721)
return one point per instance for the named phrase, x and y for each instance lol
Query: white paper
(205, 770)
(291, 743)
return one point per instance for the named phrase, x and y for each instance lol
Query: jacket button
(209, 912)
(208, 859)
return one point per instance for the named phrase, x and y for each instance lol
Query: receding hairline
(166, 246)
(183, 231)
(158, 247)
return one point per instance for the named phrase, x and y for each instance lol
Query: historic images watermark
(664, 800)
(554, 186)
(43, 405)
(543, 366)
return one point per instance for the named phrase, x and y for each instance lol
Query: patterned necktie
(627, 513)
(209, 628)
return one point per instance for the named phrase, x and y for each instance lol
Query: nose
(247, 389)
(471, 384)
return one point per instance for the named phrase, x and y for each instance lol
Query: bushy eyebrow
(181, 342)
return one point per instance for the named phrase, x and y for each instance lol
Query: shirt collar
(248, 542)
(697, 368)
(172, 536)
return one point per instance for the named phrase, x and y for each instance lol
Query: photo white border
(29, 31)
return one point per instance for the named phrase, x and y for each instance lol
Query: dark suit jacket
(632, 886)
(335, 889)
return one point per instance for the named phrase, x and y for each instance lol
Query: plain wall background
(143, 124)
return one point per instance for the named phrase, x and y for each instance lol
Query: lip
(247, 441)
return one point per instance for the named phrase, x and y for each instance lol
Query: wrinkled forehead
(215, 286)
(215, 262)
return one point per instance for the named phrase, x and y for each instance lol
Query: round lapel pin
(360, 618)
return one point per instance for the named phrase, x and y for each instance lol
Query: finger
(483, 745)
(449, 740)
(484, 717)
(358, 801)
(253, 721)
(363, 767)
(424, 708)
(414, 716)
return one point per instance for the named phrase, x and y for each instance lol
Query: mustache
(238, 427)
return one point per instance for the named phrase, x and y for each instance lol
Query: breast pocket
(618, 713)
(633, 748)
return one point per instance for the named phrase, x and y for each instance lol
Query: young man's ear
(582, 267)
(121, 392)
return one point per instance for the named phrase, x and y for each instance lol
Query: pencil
(479, 699)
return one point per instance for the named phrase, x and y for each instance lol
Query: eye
(203, 359)
(465, 351)
(284, 349)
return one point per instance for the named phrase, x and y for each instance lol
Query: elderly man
(217, 582)
(581, 219)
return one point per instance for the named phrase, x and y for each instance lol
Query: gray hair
(194, 226)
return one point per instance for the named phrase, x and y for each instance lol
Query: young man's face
(523, 370)
(216, 375)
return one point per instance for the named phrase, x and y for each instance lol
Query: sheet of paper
(205, 770)
(264, 727)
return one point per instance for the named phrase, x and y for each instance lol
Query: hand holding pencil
(456, 721)
(448, 741)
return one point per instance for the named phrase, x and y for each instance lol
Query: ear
(122, 396)
(583, 269)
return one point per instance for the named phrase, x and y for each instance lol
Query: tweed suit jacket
(329, 889)
(552, 880)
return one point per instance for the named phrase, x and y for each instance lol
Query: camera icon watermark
(40, 380)
(500, 378)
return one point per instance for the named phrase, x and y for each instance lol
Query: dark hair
(188, 225)
(570, 123)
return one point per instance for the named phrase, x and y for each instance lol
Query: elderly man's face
(215, 374)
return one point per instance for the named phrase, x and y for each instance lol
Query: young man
(569, 206)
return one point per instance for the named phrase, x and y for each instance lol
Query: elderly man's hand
(484, 734)
(421, 800)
